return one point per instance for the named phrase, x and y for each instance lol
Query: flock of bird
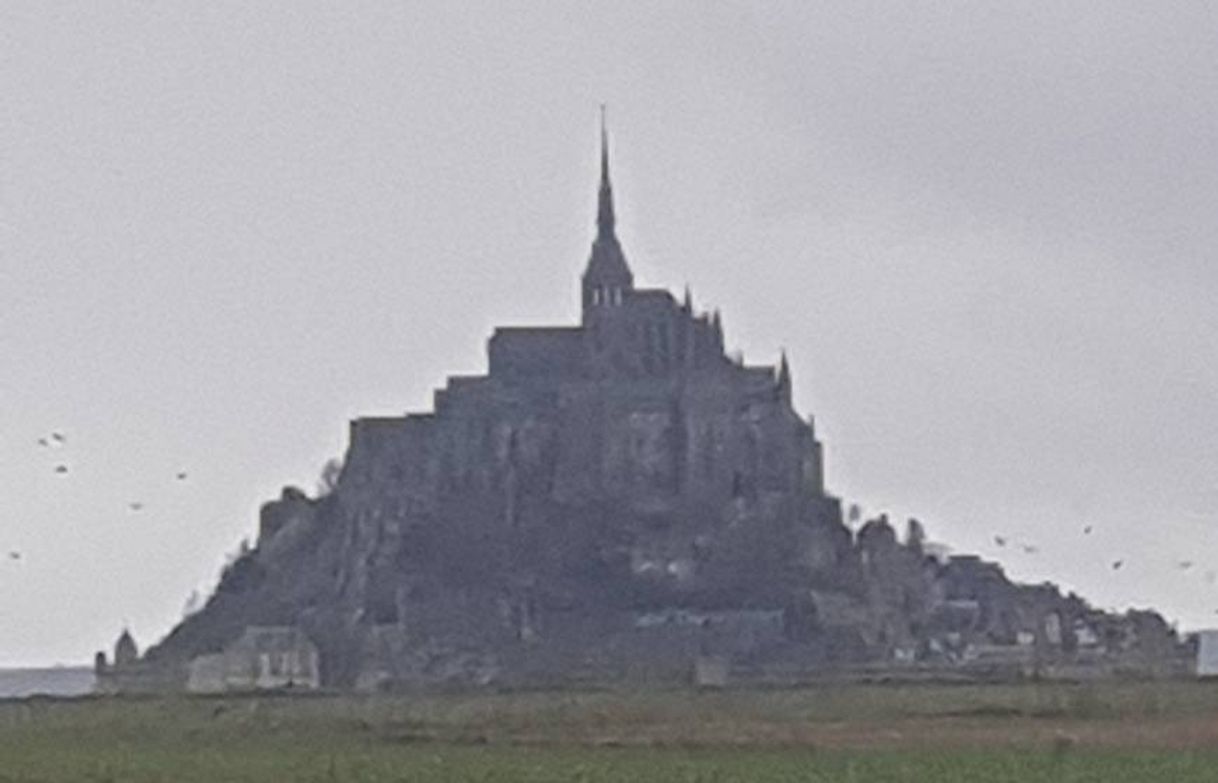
(855, 515)
(56, 440)
(1116, 565)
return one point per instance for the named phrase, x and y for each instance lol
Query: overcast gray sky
(984, 232)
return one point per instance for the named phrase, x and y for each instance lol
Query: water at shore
(54, 681)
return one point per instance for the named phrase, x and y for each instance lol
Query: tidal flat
(1111, 732)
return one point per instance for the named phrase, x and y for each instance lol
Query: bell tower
(607, 279)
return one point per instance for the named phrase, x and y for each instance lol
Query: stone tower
(126, 652)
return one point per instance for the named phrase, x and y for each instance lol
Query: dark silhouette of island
(617, 500)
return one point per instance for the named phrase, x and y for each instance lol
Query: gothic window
(617, 297)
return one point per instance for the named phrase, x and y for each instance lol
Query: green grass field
(1108, 732)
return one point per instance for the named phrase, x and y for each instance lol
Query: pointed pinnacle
(604, 148)
(604, 208)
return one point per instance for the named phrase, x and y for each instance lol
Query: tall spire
(604, 207)
(607, 279)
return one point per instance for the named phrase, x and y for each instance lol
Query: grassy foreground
(1111, 732)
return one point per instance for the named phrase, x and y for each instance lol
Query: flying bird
(1184, 565)
(1087, 530)
(1030, 550)
(1000, 541)
(58, 437)
(43, 442)
(1116, 565)
(181, 475)
(135, 506)
(14, 555)
(61, 468)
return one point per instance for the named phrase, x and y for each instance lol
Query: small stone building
(124, 668)
(262, 658)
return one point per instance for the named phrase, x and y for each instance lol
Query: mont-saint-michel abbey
(614, 501)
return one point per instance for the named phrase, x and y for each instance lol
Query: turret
(783, 386)
(125, 651)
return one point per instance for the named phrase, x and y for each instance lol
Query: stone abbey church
(614, 500)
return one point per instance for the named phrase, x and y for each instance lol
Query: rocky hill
(620, 499)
